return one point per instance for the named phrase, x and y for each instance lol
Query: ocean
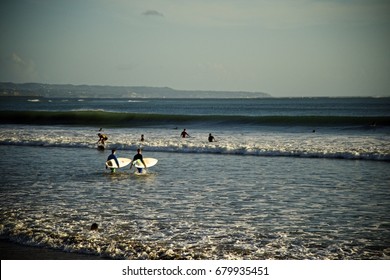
(286, 178)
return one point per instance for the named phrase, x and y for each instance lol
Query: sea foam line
(242, 150)
(307, 145)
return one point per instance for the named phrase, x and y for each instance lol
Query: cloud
(17, 59)
(14, 68)
(153, 13)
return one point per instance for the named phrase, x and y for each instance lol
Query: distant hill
(87, 91)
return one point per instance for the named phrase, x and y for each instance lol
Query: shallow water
(196, 205)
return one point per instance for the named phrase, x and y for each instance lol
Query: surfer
(138, 156)
(211, 138)
(113, 156)
(102, 138)
(184, 134)
(94, 226)
(142, 138)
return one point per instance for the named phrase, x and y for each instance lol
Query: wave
(113, 119)
(283, 150)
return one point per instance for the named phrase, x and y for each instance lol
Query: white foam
(252, 143)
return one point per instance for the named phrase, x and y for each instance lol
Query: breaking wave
(369, 146)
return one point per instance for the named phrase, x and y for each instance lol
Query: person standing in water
(138, 156)
(211, 138)
(184, 134)
(113, 156)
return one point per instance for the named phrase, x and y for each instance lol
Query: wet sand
(13, 251)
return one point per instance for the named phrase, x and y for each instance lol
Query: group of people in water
(103, 137)
(138, 156)
(184, 134)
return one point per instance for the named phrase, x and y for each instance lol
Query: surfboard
(100, 147)
(148, 161)
(122, 163)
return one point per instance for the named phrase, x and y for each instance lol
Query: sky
(286, 48)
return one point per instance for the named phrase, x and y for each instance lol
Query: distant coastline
(93, 91)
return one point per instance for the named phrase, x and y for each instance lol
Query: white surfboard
(148, 161)
(122, 163)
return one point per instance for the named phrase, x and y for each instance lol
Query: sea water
(285, 187)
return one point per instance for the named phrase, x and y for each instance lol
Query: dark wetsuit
(112, 156)
(138, 157)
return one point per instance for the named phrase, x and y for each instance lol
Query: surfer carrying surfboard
(113, 156)
(138, 156)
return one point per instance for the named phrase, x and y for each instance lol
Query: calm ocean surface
(287, 178)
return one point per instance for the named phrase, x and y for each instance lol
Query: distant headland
(91, 91)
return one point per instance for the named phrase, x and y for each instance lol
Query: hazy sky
(282, 47)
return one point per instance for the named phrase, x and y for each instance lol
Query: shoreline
(10, 250)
